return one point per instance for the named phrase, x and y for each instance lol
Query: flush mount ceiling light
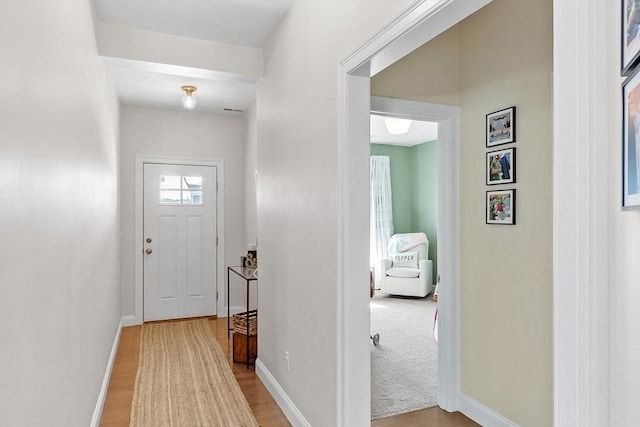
(397, 126)
(189, 101)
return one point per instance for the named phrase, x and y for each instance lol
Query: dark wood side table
(249, 274)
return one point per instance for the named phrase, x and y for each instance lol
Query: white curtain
(381, 213)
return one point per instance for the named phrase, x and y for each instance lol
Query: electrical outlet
(286, 360)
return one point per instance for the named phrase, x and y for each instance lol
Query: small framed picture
(631, 141)
(501, 166)
(501, 207)
(501, 127)
(630, 37)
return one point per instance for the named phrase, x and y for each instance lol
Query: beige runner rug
(184, 380)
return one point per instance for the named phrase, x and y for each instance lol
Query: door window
(181, 190)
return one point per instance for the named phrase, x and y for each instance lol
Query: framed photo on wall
(501, 207)
(631, 141)
(501, 127)
(630, 37)
(501, 166)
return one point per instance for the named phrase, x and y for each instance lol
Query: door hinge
(437, 278)
(216, 185)
(216, 295)
(216, 240)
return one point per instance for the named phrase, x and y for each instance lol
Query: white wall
(59, 213)
(186, 135)
(250, 170)
(624, 259)
(297, 162)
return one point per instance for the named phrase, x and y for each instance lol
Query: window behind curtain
(381, 213)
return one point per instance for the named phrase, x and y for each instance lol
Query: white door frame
(582, 110)
(580, 245)
(139, 227)
(448, 119)
(418, 23)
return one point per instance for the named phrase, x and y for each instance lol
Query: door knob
(148, 251)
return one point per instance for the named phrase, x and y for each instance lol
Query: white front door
(179, 241)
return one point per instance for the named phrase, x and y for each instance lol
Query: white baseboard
(290, 410)
(128, 321)
(97, 412)
(483, 415)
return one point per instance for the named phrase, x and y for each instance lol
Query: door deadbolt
(148, 251)
(148, 240)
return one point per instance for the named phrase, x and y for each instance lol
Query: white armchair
(408, 271)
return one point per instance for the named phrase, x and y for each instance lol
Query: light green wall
(414, 185)
(499, 57)
(424, 207)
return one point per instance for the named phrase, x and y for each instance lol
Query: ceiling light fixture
(189, 101)
(397, 126)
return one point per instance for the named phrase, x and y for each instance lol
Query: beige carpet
(184, 380)
(404, 366)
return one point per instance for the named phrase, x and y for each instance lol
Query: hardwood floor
(432, 417)
(117, 407)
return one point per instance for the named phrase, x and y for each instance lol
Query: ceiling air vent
(233, 110)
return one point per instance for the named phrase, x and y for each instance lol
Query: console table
(249, 274)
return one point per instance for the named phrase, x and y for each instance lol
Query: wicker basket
(240, 323)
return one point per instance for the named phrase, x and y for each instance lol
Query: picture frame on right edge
(501, 207)
(630, 35)
(501, 127)
(631, 141)
(501, 166)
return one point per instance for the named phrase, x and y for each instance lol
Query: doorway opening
(415, 26)
(443, 253)
(173, 194)
(404, 236)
